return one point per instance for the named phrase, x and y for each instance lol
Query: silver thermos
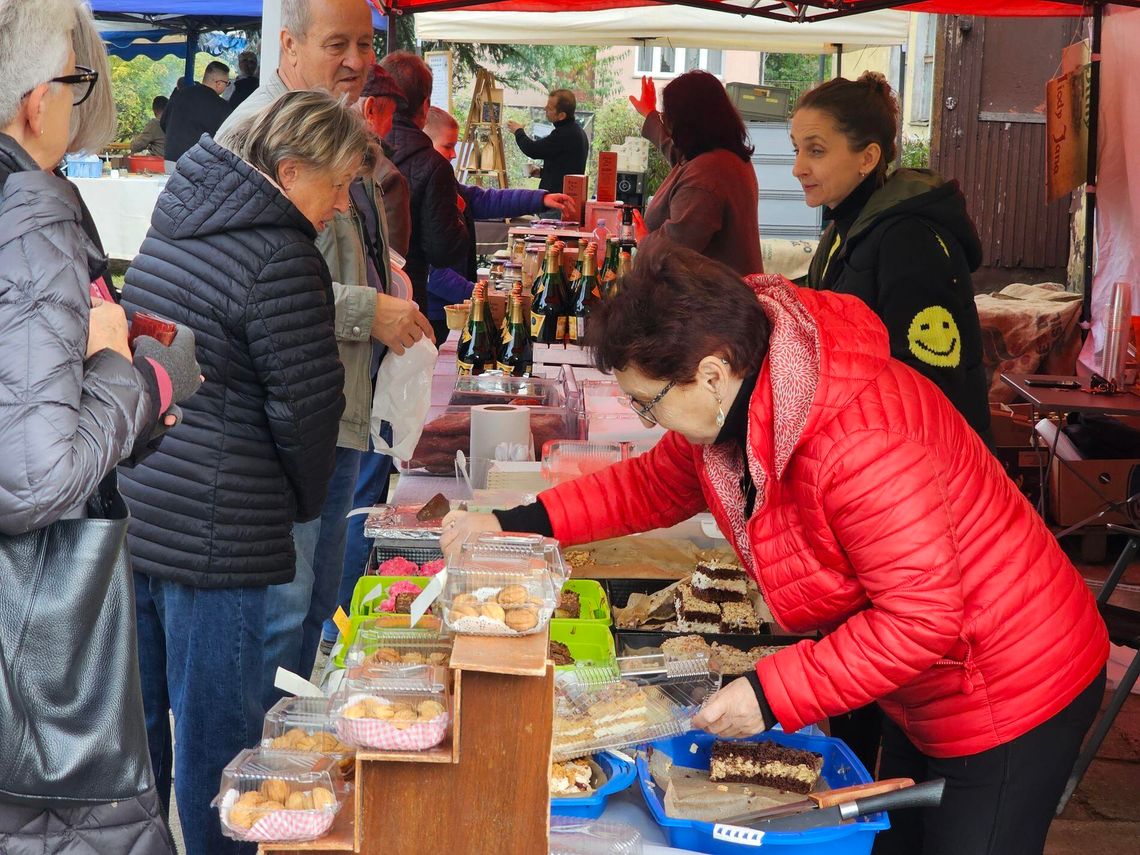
(1118, 327)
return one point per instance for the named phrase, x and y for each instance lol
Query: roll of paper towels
(493, 425)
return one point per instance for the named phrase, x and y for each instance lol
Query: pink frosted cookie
(398, 566)
(432, 567)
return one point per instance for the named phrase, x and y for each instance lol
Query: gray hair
(34, 43)
(93, 122)
(306, 125)
(296, 17)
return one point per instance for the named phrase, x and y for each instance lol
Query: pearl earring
(720, 417)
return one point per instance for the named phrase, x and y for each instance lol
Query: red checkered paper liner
(281, 826)
(377, 733)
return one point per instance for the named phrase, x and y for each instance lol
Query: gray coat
(65, 421)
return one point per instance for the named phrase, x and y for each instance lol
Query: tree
(135, 85)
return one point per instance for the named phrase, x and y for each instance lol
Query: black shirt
(562, 152)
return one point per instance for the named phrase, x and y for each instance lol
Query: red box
(578, 188)
(607, 176)
(162, 331)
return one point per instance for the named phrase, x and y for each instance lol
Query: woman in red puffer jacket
(864, 506)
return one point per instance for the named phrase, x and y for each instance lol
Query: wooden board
(446, 752)
(627, 571)
(341, 837)
(522, 655)
(495, 800)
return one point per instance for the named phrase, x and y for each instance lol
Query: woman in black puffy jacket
(231, 255)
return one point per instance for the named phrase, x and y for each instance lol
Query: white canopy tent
(665, 25)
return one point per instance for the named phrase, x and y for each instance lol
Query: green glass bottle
(516, 357)
(582, 299)
(548, 311)
(477, 352)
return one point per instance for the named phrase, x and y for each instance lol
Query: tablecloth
(121, 208)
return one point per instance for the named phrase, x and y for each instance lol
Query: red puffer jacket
(882, 520)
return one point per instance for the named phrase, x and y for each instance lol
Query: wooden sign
(1066, 133)
(439, 61)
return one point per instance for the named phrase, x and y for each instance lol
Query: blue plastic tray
(840, 769)
(620, 773)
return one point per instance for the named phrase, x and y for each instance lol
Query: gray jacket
(65, 421)
(342, 245)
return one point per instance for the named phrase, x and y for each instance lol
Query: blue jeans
(371, 489)
(200, 657)
(297, 610)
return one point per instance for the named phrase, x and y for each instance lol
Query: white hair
(94, 121)
(296, 17)
(35, 39)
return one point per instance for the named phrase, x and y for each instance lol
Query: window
(924, 68)
(667, 61)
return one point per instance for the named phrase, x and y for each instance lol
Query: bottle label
(536, 323)
(560, 335)
(576, 327)
(465, 369)
(466, 337)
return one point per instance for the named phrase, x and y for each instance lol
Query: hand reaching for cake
(732, 712)
(457, 525)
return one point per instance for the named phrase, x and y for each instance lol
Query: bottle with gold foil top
(539, 280)
(477, 352)
(548, 310)
(516, 356)
(624, 265)
(608, 274)
(582, 298)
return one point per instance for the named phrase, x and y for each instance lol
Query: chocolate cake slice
(765, 764)
(569, 605)
(560, 654)
(720, 583)
(694, 614)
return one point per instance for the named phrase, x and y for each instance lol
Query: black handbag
(72, 728)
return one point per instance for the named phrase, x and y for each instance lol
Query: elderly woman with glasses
(866, 508)
(75, 401)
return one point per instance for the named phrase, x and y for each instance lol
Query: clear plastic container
(408, 711)
(508, 551)
(306, 726)
(488, 594)
(279, 796)
(572, 836)
(567, 459)
(642, 699)
(377, 649)
(473, 391)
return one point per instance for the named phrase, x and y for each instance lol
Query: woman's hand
(732, 712)
(562, 203)
(647, 103)
(457, 525)
(107, 329)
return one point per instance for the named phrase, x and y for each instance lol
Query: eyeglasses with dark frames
(645, 411)
(82, 83)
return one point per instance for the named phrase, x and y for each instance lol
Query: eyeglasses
(82, 82)
(646, 411)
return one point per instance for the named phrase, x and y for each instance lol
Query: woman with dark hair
(708, 202)
(850, 488)
(902, 243)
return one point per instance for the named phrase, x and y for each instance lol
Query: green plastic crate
(368, 584)
(589, 643)
(595, 604)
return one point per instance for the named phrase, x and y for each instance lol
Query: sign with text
(439, 61)
(1066, 133)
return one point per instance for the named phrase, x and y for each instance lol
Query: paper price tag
(343, 624)
(423, 602)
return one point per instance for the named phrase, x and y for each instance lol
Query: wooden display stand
(484, 790)
(485, 116)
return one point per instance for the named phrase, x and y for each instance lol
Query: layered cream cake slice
(624, 711)
(693, 613)
(765, 764)
(720, 583)
(571, 778)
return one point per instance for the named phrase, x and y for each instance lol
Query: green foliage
(798, 71)
(612, 124)
(915, 152)
(135, 85)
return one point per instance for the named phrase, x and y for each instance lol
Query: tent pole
(191, 53)
(1090, 182)
(839, 60)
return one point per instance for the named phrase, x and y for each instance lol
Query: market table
(121, 208)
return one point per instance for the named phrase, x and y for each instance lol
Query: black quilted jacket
(439, 235)
(230, 257)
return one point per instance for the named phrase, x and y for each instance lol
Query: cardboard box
(1071, 500)
(608, 211)
(1011, 425)
(578, 188)
(607, 176)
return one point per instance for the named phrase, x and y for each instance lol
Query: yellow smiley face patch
(934, 338)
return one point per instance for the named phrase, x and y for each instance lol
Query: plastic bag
(402, 398)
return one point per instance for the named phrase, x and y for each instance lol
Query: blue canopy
(207, 9)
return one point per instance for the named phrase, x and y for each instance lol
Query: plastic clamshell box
(476, 593)
(841, 768)
(574, 836)
(473, 391)
(306, 726)
(593, 600)
(513, 551)
(279, 778)
(620, 772)
(642, 699)
(385, 623)
(378, 648)
(83, 166)
(590, 644)
(388, 713)
(567, 459)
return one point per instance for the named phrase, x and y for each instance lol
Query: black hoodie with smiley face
(907, 249)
